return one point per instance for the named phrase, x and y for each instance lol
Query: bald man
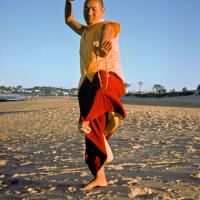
(100, 87)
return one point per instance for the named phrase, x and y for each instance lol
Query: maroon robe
(95, 101)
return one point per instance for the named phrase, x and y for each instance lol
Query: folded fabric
(100, 106)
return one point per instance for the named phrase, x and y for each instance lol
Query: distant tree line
(159, 90)
(38, 91)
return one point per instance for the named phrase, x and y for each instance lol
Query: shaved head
(101, 2)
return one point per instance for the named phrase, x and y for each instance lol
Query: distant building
(28, 91)
(126, 90)
(74, 92)
(65, 93)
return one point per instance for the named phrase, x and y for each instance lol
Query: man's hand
(69, 18)
(104, 49)
(68, 11)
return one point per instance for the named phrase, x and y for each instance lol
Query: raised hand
(104, 49)
(68, 11)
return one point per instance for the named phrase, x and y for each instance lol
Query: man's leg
(98, 181)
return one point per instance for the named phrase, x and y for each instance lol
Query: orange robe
(101, 86)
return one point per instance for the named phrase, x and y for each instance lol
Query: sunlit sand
(156, 152)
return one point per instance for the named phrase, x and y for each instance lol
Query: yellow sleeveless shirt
(90, 63)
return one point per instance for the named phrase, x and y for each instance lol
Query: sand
(156, 152)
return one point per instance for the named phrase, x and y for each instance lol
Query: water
(12, 97)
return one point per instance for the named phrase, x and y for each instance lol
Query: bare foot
(95, 183)
(85, 128)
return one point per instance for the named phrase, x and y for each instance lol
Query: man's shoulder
(115, 25)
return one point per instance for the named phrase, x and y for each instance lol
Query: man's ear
(103, 10)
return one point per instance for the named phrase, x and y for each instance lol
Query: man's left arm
(105, 44)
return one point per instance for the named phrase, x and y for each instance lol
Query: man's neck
(98, 21)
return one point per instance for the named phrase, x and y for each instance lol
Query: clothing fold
(95, 102)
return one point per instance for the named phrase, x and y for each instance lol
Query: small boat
(12, 97)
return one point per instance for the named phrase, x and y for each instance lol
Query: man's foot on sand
(94, 183)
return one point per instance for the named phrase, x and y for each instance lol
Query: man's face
(93, 11)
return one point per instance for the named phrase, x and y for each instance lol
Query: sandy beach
(156, 151)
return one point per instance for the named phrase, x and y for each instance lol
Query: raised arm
(69, 19)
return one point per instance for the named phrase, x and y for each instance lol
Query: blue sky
(159, 42)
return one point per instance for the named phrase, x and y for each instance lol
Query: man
(100, 87)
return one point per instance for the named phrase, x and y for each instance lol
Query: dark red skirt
(95, 101)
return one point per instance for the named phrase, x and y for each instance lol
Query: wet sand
(156, 152)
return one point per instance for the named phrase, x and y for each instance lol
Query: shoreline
(183, 101)
(192, 101)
